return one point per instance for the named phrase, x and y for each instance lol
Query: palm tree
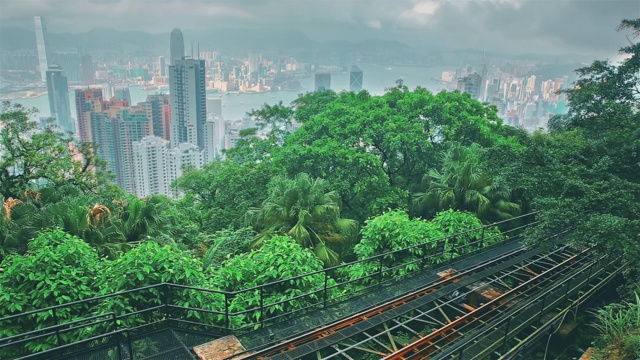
(464, 184)
(140, 217)
(17, 226)
(92, 223)
(303, 209)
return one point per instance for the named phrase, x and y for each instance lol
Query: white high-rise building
(157, 165)
(152, 175)
(182, 156)
(44, 57)
(209, 142)
(214, 130)
(214, 138)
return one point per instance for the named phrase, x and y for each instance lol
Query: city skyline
(517, 26)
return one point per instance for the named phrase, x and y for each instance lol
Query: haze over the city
(319, 179)
(581, 27)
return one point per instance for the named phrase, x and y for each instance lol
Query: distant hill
(229, 39)
(13, 38)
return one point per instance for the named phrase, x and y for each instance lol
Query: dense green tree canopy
(32, 158)
(224, 190)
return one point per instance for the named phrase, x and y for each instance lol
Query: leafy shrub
(394, 231)
(388, 232)
(58, 268)
(151, 264)
(469, 228)
(279, 258)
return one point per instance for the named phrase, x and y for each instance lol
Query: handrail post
(55, 322)
(424, 255)
(482, 238)
(325, 289)
(115, 330)
(380, 270)
(165, 302)
(131, 354)
(454, 243)
(227, 324)
(262, 313)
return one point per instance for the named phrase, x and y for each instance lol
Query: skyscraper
(162, 66)
(133, 125)
(154, 106)
(184, 155)
(87, 101)
(355, 80)
(323, 81)
(86, 68)
(104, 131)
(177, 46)
(166, 121)
(58, 91)
(188, 102)
(41, 44)
(70, 62)
(151, 166)
(156, 165)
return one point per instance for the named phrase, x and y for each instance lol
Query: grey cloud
(549, 26)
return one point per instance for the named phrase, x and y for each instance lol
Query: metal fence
(111, 324)
(497, 336)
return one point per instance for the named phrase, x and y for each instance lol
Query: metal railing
(119, 317)
(497, 335)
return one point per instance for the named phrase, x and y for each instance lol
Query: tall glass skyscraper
(41, 44)
(59, 105)
(355, 79)
(70, 62)
(176, 44)
(188, 102)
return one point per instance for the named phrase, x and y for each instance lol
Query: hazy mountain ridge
(234, 39)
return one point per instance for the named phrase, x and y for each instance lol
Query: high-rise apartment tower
(188, 102)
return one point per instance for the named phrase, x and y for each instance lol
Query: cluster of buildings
(522, 101)
(149, 144)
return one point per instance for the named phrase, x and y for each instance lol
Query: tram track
(426, 346)
(400, 315)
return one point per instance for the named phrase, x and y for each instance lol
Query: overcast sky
(585, 27)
